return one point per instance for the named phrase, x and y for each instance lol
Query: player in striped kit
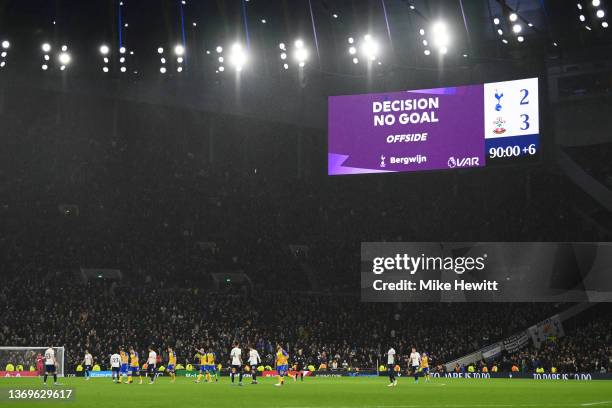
(134, 367)
(123, 371)
(171, 367)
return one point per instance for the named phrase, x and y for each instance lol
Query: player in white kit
(115, 363)
(415, 363)
(254, 362)
(151, 362)
(391, 367)
(236, 356)
(50, 365)
(88, 363)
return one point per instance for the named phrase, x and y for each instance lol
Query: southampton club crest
(499, 126)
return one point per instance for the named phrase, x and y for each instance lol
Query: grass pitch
(315, 392)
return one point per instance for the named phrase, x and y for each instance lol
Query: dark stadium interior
(212, 198)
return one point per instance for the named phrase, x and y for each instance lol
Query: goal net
(22, 361)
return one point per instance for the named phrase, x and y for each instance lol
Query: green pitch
(327, 392)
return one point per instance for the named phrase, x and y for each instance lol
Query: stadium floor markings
(589, 404)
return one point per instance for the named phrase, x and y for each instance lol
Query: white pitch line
(465, 405)
(442, 406)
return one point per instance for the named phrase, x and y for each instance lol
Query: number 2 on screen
(524, 100)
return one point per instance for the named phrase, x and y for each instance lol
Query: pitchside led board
(434, 129)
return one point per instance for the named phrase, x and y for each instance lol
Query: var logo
(462, 162)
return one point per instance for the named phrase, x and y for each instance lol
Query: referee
(300, 363)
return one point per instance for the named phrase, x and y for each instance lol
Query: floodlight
(301, 55)
(440, 36)
(64, 58)
(369, 47)
(238, 57)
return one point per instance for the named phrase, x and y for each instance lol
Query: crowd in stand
(337, 331)
(169, 205)
(585, 347)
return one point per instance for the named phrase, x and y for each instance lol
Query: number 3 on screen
(525, 123)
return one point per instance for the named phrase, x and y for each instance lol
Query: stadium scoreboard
(434, 129)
